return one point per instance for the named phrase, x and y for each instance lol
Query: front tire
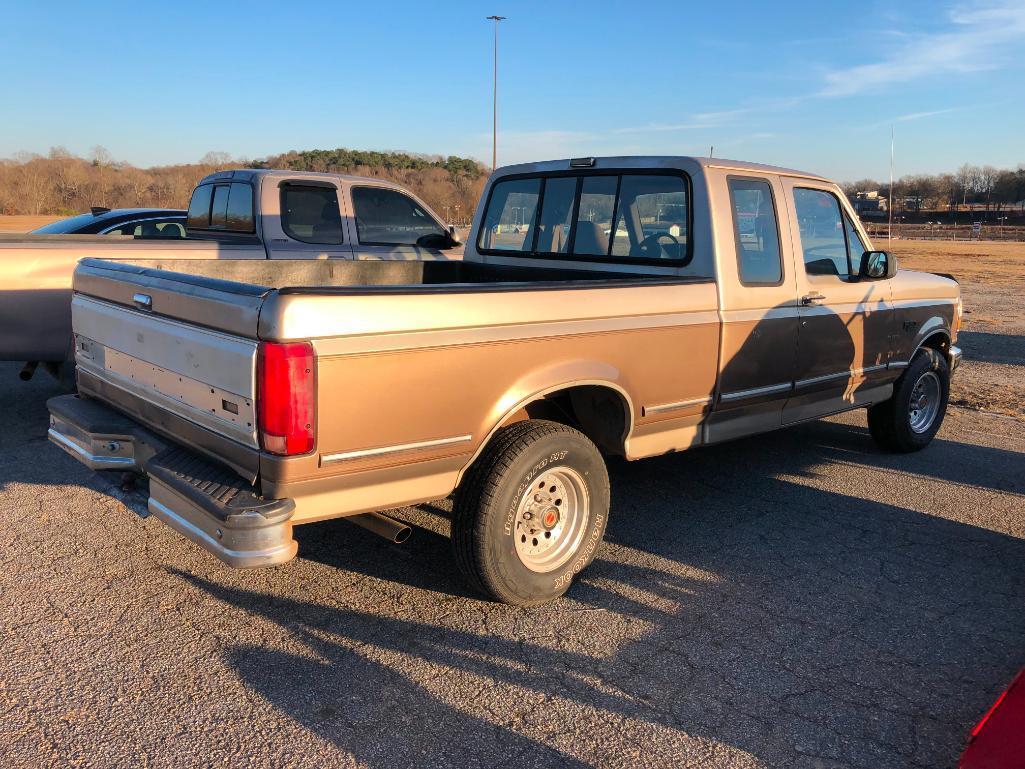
(912, 416)
(531, 512)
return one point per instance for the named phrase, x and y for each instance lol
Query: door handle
(813, 298)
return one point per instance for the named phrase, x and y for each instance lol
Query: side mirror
(453, 236)
(438, 240)
(877, 265)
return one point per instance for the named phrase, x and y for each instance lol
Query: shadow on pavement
(773, 617)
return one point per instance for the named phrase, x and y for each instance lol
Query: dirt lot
(992, 277)
(24, 223)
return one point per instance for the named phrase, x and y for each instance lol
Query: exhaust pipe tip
(383, 526)
(28, 370)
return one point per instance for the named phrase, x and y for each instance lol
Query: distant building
(868, 202)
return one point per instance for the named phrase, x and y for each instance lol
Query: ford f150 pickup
(605, 306)
(232, 215)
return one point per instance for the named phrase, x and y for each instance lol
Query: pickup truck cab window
(650, 211)
(855, 246)
(227, 207)
(389, 218)
(310, 214)
(556, 216)
(756, 232)
(823, 239)
(594, 216)
(509, 221)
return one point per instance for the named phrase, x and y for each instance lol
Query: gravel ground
(798, 599)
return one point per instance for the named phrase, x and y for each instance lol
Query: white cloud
(979, 39)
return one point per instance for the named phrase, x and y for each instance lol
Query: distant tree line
(970, 186)
(63, 183)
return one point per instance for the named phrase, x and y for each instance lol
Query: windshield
(64, 226)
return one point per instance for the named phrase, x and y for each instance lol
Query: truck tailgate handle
(813, 298)
(143, 301)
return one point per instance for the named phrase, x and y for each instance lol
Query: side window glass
(594, 215)
(389, 218)
(556, 215)
(310, 214)
(823, 240)
(755, 229)
(508, 223)
(854, 244)
(170, 230)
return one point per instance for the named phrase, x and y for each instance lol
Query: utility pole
(494, 99)
(889, 206)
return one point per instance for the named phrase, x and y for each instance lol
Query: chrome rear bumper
(205, 502)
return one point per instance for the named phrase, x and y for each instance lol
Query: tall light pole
(494, 99)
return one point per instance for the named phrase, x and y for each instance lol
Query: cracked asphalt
(792, 600)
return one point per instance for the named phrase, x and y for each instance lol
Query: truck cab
(299, 215)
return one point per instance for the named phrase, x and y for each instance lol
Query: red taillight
(284, 397)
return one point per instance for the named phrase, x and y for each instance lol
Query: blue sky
(814, 85)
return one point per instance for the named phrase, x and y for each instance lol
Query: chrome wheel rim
(551, 519)
(925, 402)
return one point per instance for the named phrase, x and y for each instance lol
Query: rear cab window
(226, 206)
(607, 216)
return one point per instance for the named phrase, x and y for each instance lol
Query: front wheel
(531, 512)
(910, 419)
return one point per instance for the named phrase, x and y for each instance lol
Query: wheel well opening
(938, 342)
(600, 413)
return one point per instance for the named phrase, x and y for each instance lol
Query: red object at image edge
(998, 740)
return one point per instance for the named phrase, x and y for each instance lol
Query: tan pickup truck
(625, 306)
(245, 214)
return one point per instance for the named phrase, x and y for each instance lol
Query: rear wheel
(910, 419)
(531, 512)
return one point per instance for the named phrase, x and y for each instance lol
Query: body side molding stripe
(738, 394)
(326, 459)
(664, 407)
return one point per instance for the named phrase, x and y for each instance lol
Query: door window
(756, 233)
(388, 218)
(152, 228)
(310, 214)
(823, 240)
(854, 244)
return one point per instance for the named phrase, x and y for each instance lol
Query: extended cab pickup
(246, 214)
(623, 306)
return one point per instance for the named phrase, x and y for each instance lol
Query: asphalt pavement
(798, 599)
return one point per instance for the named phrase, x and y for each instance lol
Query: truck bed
(179, 351)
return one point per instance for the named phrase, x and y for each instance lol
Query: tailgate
(176, 351)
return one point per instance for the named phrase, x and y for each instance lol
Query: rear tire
(531, 512)
(912, 416)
